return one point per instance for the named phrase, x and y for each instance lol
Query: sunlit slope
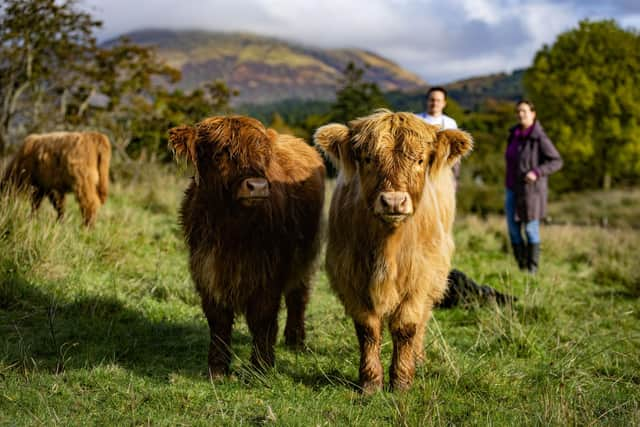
(266, 69)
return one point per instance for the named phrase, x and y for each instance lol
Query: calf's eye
(420, 161)
(220, 154)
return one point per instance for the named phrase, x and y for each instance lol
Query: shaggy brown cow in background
(390, 241)
(251, 219)
(53, 164)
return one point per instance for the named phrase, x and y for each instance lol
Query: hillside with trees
(466, 96)
(265, 69)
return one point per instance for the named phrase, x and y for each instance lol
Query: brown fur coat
(54, 164)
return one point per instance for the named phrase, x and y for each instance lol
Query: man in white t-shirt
(436, 102)
(462, 289)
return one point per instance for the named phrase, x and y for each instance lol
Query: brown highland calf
(390, 241)
(53, 164)
(251, 219)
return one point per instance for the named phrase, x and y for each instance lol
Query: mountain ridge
(266, 69)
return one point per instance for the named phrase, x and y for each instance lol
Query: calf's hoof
(262, 364)
(217, 372)
(370, 387)
(401, 385)
(294, 339)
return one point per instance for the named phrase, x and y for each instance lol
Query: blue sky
(441, 41)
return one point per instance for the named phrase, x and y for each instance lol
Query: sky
(441, 41)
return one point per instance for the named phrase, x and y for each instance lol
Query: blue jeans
(531, 228)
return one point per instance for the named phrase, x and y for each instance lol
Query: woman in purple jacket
(531, 157)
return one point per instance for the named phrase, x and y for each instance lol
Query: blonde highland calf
(390, 241)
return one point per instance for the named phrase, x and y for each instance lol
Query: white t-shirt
(445, 122)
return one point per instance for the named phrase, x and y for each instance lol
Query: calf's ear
(182, 141)
(450, 145)
(272, 134)
(333, 140)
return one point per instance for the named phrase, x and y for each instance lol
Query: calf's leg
(404, 329)
(88, 200)
(262, 319)
(418, 341)
(57, 200)
(36, 198)
(220, 321)
(296, 300)
(369, 331)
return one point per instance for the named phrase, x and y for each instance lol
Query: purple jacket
(536, 153)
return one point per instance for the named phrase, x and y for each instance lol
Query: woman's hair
(526, 102)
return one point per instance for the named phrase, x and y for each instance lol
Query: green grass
(103, 327)
(613, 208)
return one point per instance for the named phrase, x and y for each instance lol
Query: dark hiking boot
(520, 253)
(533, 257)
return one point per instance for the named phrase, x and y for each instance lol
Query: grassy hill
(468, 94)
(266, 69)
(472, 92)
(103, 327)
(269, 71)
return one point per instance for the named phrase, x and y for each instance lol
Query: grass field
(103, 327)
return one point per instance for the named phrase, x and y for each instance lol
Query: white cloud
(441, 41)
(545, 21)
(631, 21)
(484, 10)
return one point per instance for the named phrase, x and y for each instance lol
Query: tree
(147, 128)
(489, 127)
(129, 77)
(586, 88)
(356, 98)
(43, 44)
(52, 72)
